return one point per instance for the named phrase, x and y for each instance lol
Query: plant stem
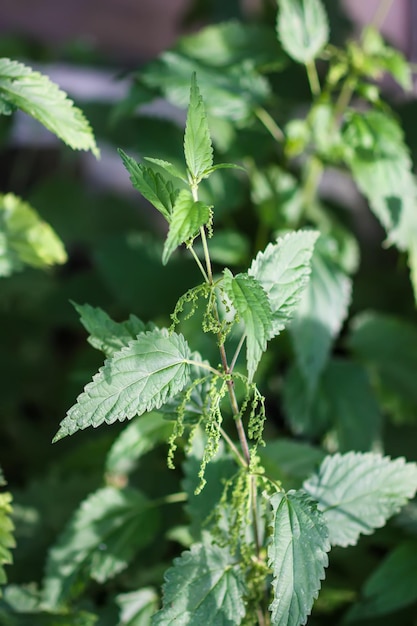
(204, 366)
(232, 446)
(313, 79)
(237, 352)
(269, 123)
(200, 265)
(172, 498)
(381, 13)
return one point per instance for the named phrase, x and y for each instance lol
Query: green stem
(200, 265)
(313, 78)
(237, 352)
(204, 366)
(270, 124)
(172, 498)
(232, 446)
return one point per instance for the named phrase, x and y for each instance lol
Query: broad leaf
(252, 305)
(386, 345)
(203, 585)
(186, 219)
(151, 184)
(105, 533)
(390, 587)
(6, 535)
(36, 95)
(320, 314)
(302, 28)
(138, 378)
(105, 334)
(283, 270)
(139, 437)
(358, 492)
(25, 239)
(382, 169)
(197, 143)
(137, 607)
(297, 554)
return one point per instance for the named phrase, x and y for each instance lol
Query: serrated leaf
(138, 438)
(25, 239)
(198, 150)
(186, 219)
(35, 94)
(6, 535)
(137, 607)
(390, 587)
(297, 554)
(382, 169)
(319, 316)
(107, 530)
(138, 378)
(107, 335)
(203, 584)
(152, 185)
(302, 28)
(252, 305)
(168, 167)
(358, 492)
(283, 270)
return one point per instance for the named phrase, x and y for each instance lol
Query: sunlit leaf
(297, 554)
(283, 270)
(302, 28)
(25, 239)
(197, 143)
(358, 492)
(137, 607)
(138, 378)
(186, 219)
(35, 94)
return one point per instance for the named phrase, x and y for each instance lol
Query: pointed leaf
(358, 492)
(297, 555)
(168, 167)
(151, 185)
(283, 270)
(223, 166)
(197, 143)
(137, 607)
(25, 239)
(302, 28)
(107, 530)
(320, 314)
(252, 306)
(391, 586)
(105, 334)
(138, 378)
(187, 218)
(36, 95)
(139, 437)
(202, 585)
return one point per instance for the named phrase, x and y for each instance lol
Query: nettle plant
(257, 551)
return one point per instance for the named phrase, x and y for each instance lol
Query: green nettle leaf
(138, 378)
(381, 167)
(186, 219)
(302, 28)
(197, 143)
(137, 607)
(105, 533)
(320, 314)
(391, 586)
(358, 492)
(168, 167)
(297, 554)
(139, 437)
(203, 586)
(151, 184)
(6, 534)
(283, 270)
(36, 95)
(25, 239)
(252, 305)
(107, 335)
